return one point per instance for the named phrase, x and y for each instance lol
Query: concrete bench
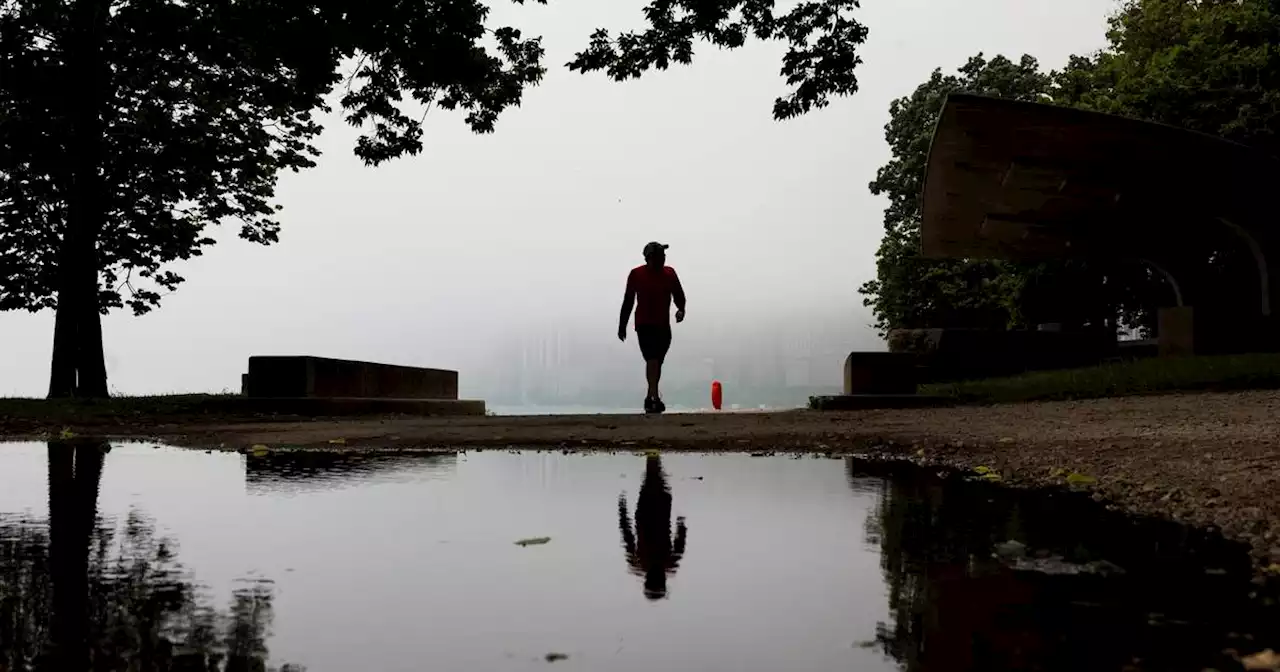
(298, 377)
(880, 373)
(878, 380)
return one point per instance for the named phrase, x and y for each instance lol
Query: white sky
(441, 259)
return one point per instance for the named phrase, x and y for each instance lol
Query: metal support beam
(1264, 277)
(1173, 282)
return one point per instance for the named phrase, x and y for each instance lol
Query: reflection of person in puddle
(651, 552)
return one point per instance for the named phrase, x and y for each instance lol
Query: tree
(131, 126)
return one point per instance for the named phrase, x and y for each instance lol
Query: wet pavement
(141, 557)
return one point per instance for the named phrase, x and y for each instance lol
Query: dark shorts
(655, 340)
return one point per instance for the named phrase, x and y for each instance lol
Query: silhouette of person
(651, 551)
(650, 290)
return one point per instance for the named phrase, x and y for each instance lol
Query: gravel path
(1206, 459)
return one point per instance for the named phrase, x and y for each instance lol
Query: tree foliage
(822, 44)
(1209, 66)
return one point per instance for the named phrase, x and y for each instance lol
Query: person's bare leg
(653, 373)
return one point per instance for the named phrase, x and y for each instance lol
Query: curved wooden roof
(1017, 180)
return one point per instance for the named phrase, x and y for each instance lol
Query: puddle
(153, 558)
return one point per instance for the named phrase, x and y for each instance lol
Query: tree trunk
(78, 368)
(62, 375)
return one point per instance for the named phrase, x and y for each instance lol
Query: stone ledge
(295, 376)
(341, 406)
(860, 402)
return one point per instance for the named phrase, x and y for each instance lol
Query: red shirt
(653, 291)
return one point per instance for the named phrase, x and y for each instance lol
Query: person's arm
(628, 302)
(677, 295)
(677, 549)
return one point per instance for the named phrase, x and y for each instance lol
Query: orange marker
(717, 394)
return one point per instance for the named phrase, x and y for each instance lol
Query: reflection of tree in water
(953, 607)
(651, 551)
(78, 595)
(934, 606)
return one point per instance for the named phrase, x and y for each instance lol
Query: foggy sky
(442, 259)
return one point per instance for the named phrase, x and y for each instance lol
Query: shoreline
(1210, 460)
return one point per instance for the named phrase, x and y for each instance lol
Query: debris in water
(533, 541)
(1013, 554)
(1011, 549)
(66, 434)
(1264, 660)
(553, 657)
(865, 644)
(338, 441)
(259, 450)
(1056, 565)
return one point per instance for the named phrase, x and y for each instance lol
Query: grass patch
(1143, 376)
(115, 409)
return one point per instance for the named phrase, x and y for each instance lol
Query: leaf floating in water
(987, 473)
(66, 434)
(1011, 549)
(259, 450)
(338, 441)
(533, 541)
(1080, 479)
(553, 657)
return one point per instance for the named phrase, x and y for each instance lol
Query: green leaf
(1075, 478)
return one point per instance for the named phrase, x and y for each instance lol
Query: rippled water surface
(140, 557)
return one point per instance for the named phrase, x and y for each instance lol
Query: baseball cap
(654, 247)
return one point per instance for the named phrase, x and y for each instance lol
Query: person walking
(651, 288)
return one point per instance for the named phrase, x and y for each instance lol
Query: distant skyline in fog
(451, 258)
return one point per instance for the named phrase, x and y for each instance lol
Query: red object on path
(717, 394)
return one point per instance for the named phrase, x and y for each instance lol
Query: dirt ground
(1207, 459)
